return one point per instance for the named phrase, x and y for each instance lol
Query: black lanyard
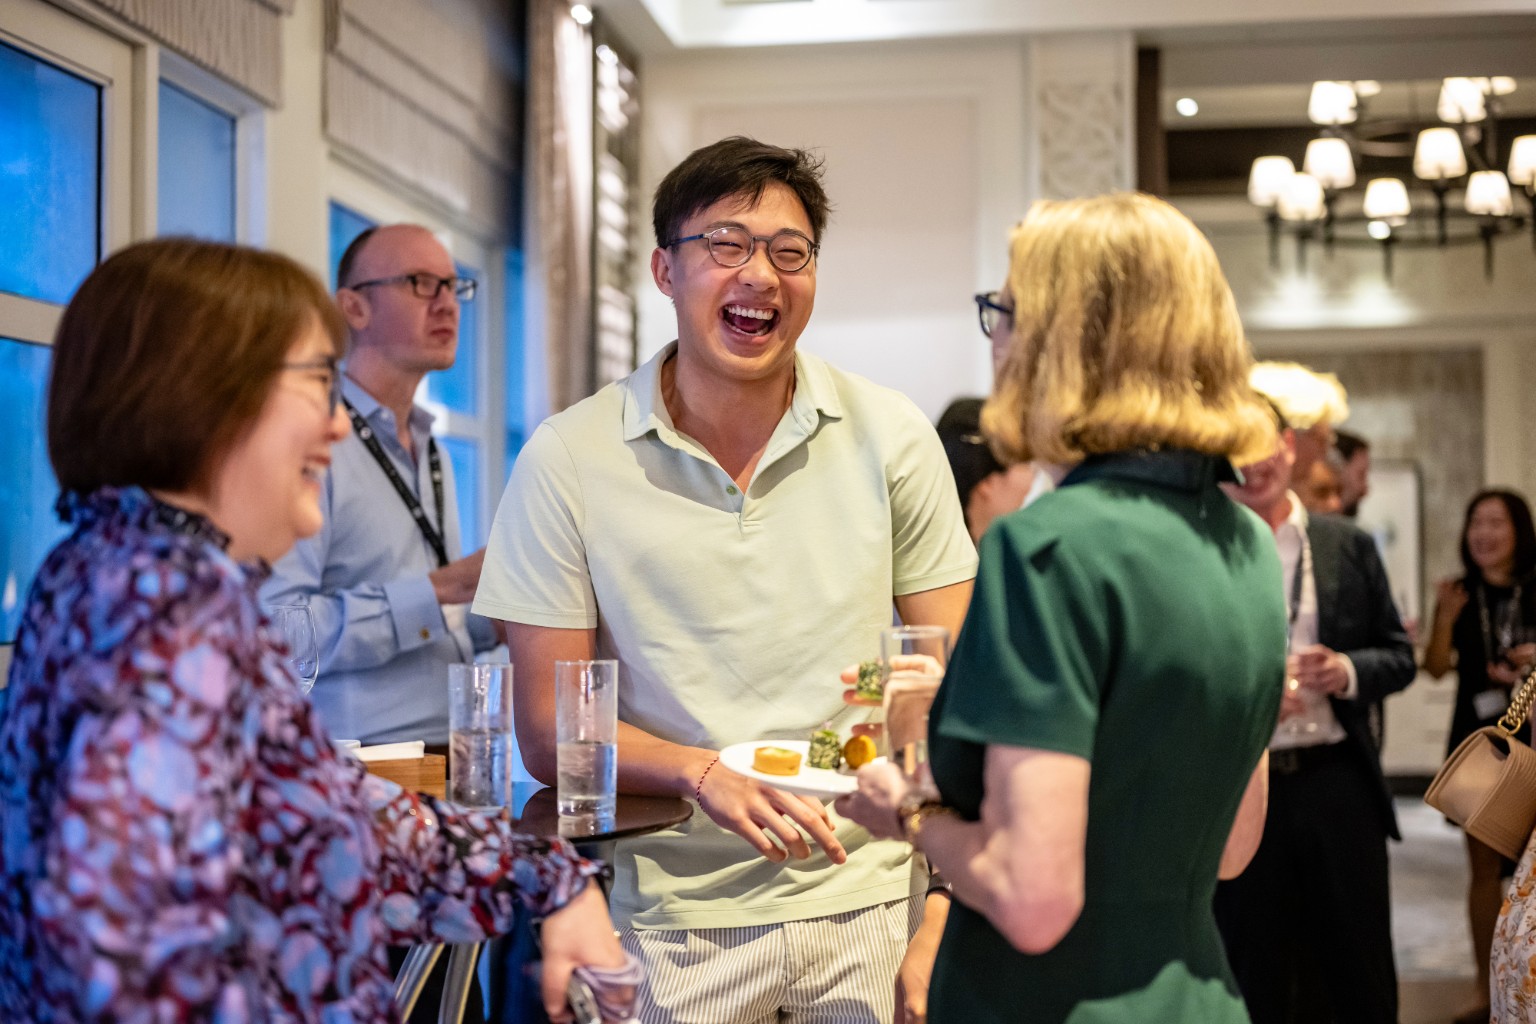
(1512, 612)
(1296, 579)
(365, 434)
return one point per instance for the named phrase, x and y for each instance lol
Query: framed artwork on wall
(1393, 514)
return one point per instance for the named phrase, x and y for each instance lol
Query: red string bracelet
(699, 789)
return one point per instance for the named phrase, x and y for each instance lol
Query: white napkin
(392, 751)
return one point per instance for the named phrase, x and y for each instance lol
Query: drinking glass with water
(480, 735)
(586, 733)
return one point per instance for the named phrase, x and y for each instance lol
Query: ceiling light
(1332, 103)
(1488, 194)
(1329, 161)
(1522, 161)
(581, 14)
(1268, 178)
(1438, 155)
(1186, 106)
(1386, 199)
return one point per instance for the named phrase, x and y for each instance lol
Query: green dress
(1134, 618)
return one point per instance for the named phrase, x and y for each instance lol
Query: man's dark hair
(1348, 444)
(348, 258)
(737, 166)
(970, 460)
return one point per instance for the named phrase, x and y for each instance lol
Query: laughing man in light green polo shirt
(732, 522)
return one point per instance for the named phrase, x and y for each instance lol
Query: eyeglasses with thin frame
(733, 245)
(332, 377)
(427, 286)
(991, 312)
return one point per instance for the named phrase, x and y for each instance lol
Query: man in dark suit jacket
(1308, 926)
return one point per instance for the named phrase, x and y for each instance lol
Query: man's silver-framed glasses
(733, 245)
(427, 286)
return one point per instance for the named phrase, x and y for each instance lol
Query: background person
(180, 841)
(1098, 740)
(1354, 454)
(986, 488)
(1484, 627)
(1308, 927)
(1313, 404)
(383, 576)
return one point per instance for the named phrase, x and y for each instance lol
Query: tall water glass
(586, 735)
(912, 659)
(480, 735)
(294, 625)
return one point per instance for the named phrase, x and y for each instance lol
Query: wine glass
(295, 627)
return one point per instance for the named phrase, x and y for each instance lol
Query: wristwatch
(912, 812)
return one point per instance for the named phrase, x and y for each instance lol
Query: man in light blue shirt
(383, 578)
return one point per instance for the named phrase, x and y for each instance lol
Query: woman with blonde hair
(1097, 743)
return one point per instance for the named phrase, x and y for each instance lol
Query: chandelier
(1455, 154)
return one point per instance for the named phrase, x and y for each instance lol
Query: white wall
(926, 169)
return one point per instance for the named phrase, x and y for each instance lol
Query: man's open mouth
(750, 320)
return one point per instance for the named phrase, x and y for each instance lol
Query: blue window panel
(27, 486)
(465, 456)
(455, 387)
(197, 167)
(50, 177)
(346, 224)
(514, 384)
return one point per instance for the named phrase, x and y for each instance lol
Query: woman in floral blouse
(178, 840)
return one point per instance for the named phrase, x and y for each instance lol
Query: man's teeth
(756, 314)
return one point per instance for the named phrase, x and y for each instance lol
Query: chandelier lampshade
(1522, 161)
(1438, 154)
(1332, 103)
(1268, 178)
(1463, 100)
(1387, 199)
(1488, 194)
(1329, 161)
(1303, 199)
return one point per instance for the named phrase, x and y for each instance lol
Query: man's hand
(1322, 670)
(756, 811)
(916, 971)
(455, 582)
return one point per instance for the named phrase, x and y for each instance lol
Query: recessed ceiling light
(581, 14)
(1186, 106)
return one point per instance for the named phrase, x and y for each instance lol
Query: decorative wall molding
(423, 93)
(1082, 97)
(240, 40)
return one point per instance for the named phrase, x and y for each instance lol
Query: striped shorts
(827, 970)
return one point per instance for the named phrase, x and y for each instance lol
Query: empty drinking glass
(294, 625)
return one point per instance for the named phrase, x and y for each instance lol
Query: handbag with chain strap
(1488, 784)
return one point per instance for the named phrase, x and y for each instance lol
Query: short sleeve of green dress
(1134, 618)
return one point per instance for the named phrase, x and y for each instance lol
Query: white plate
(822, 782)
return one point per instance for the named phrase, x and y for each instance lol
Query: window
(51, 121)
(27, 487)
(345, 225)
(196, 167)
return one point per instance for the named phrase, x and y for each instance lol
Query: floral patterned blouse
(1512, 970)
(178, 840)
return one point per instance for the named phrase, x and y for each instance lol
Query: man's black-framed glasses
(326, 366)
(427, 286)
(733, 246)
(991, 312)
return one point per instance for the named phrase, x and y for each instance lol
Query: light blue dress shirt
(385, 645)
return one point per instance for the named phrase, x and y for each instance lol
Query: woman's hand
(882, 788)
(581, 934)
(1517, 662)
(1450, 598)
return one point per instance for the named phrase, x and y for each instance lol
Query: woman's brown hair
(167, 353)
(1125, 335)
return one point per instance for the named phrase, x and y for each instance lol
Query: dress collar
(137, 505)
(1176, 468)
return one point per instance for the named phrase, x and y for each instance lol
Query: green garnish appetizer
(826, 749)
(871, 684)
